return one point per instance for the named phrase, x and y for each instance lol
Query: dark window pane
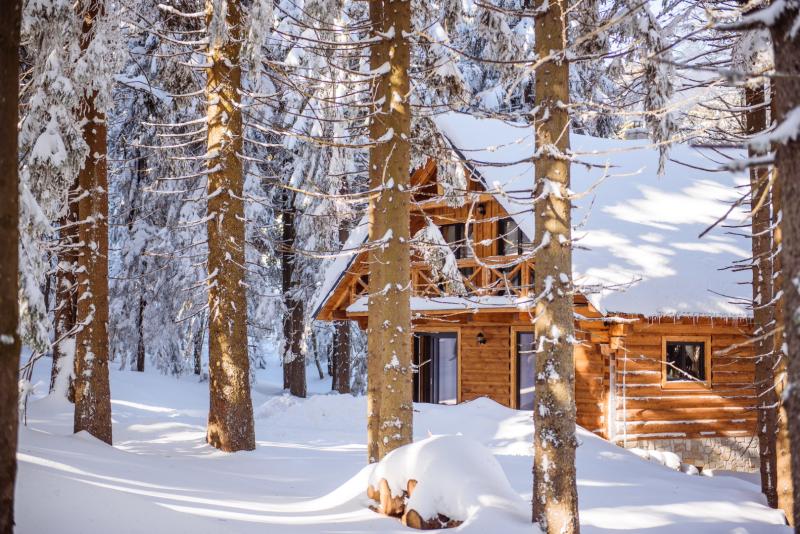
(511, 239)
(455, 237)
(526, 370)
(686, 361)
(507, 239)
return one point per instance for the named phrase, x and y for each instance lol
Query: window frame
(433, 330)
(459, 247)
(686, 384)
(504, 238)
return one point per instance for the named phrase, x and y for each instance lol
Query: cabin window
(526, 370)
(455, 235)
(511, 239)
(436, 362)
(686, 361)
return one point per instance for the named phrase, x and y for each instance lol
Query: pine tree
(783, 460)
(786, 45)
(230, 417)
(92, 390)
(294, 359)
(389, 334)
(555, 497)
(756, 121)
(9, 241)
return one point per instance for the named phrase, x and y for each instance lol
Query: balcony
(490, 276)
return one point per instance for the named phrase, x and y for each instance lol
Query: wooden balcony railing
(490, 276)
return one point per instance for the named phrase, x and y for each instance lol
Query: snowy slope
(307, 474)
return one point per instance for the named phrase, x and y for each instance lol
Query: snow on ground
(308, 472)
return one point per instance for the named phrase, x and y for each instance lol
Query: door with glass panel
(526, 369)
(436, 361)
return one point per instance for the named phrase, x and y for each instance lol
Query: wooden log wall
(484, 227)
(488, 370)
(646, 410)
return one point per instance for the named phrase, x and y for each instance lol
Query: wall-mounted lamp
(481, 209)
(481, 339)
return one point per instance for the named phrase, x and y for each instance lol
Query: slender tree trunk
(198, 346)
(341, 343)
(9, 266)
(92, 391)
(389, 332)
(230, 416)
(377, 154)
(66, 304)
(783, 463)
(555, 496)
(341, 357)
(786, 45)
(756, 121)
(140, 330)
(294, 361)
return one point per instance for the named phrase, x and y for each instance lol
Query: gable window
(456, 237)
(511, 239)
(686, 361)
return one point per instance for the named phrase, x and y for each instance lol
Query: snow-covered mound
(456, 477)
(309, 472)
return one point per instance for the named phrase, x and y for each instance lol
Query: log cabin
(662, 356)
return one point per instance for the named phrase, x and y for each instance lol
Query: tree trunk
(756, 121)
(9, 266)
(389, 331)
(198, 345)
(65, 296)
(294, 361)
(92, 391)
(783, 462)
(230, 416)
(341, 357)
(378, 55)
(341, 342)
(555, 496)
(140, 329)
(786, 45)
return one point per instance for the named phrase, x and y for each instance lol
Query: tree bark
(230, 416)
(555, 496)
(92, 390)
(341, 357)
(140, 331)
(341, 342)
(755, 122)
(294, 361)
(198, 345)
(390, 370)
(9, 266)
(66, 304)
(378, 55)
(783, 462)
(786, 45)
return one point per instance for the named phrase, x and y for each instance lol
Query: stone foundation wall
(722, 452)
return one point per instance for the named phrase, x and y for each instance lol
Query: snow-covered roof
(637, 248)
(333, 269)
